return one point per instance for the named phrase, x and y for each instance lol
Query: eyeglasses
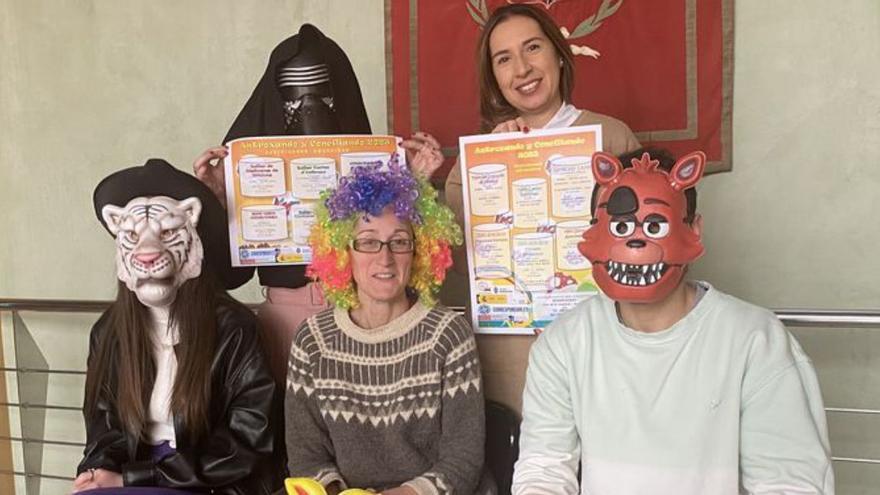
(397, 246)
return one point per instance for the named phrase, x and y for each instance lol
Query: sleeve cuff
(141, 473)
(328, 476)
(422, 486)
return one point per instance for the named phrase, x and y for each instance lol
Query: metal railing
(32, 434)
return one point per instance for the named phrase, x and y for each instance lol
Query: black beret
(159, 178)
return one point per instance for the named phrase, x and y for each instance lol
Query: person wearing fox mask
(662, 385)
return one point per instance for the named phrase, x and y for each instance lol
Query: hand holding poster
(273, 184)
(527, 203)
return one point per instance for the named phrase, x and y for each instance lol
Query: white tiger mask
(157, 245)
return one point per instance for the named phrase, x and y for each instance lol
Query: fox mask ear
(687, 171)
(606, 167)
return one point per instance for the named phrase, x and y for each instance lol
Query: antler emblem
(479, 12)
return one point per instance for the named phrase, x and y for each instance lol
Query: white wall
(792, 225)
(89, 87)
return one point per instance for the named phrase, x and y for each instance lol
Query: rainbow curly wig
(368, 191)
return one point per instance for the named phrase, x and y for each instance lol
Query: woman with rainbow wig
(369, 192)
(384, 390)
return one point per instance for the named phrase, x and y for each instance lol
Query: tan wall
(87, 87)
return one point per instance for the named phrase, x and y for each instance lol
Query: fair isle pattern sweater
(396, 405)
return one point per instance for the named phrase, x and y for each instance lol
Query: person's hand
(423, 153)
(79, 484)
(513, 125)
(96, 478)
(333, 488)
(208, 168)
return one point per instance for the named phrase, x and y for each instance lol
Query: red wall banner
(665, 67)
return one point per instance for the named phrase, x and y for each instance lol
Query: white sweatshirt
(723, 402)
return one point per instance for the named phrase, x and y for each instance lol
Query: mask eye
(622, 229)
(167, 234)
(131, 236)
(656, 230)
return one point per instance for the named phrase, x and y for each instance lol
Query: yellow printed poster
(527, 203)
(274, 183)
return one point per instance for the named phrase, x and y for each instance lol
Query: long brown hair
(121, 368)
(494, 109)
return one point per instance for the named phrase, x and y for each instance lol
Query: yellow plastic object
(303, 486)
(308, 486)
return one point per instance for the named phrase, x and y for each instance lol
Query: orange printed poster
(527, 203)
(274, 183)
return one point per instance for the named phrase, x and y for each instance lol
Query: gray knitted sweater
(396, 405)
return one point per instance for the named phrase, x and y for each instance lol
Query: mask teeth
(635, 275)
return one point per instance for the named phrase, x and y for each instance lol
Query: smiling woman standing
(526, 77)
(384, 391)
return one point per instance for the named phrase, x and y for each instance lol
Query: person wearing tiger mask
(178, 394)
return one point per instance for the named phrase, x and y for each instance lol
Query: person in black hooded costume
(308, 88)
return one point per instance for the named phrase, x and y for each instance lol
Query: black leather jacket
(236, 456)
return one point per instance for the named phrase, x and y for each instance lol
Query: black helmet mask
(307, 92)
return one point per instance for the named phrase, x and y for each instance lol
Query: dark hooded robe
(263, 115)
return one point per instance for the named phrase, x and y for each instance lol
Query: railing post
(32, 389)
